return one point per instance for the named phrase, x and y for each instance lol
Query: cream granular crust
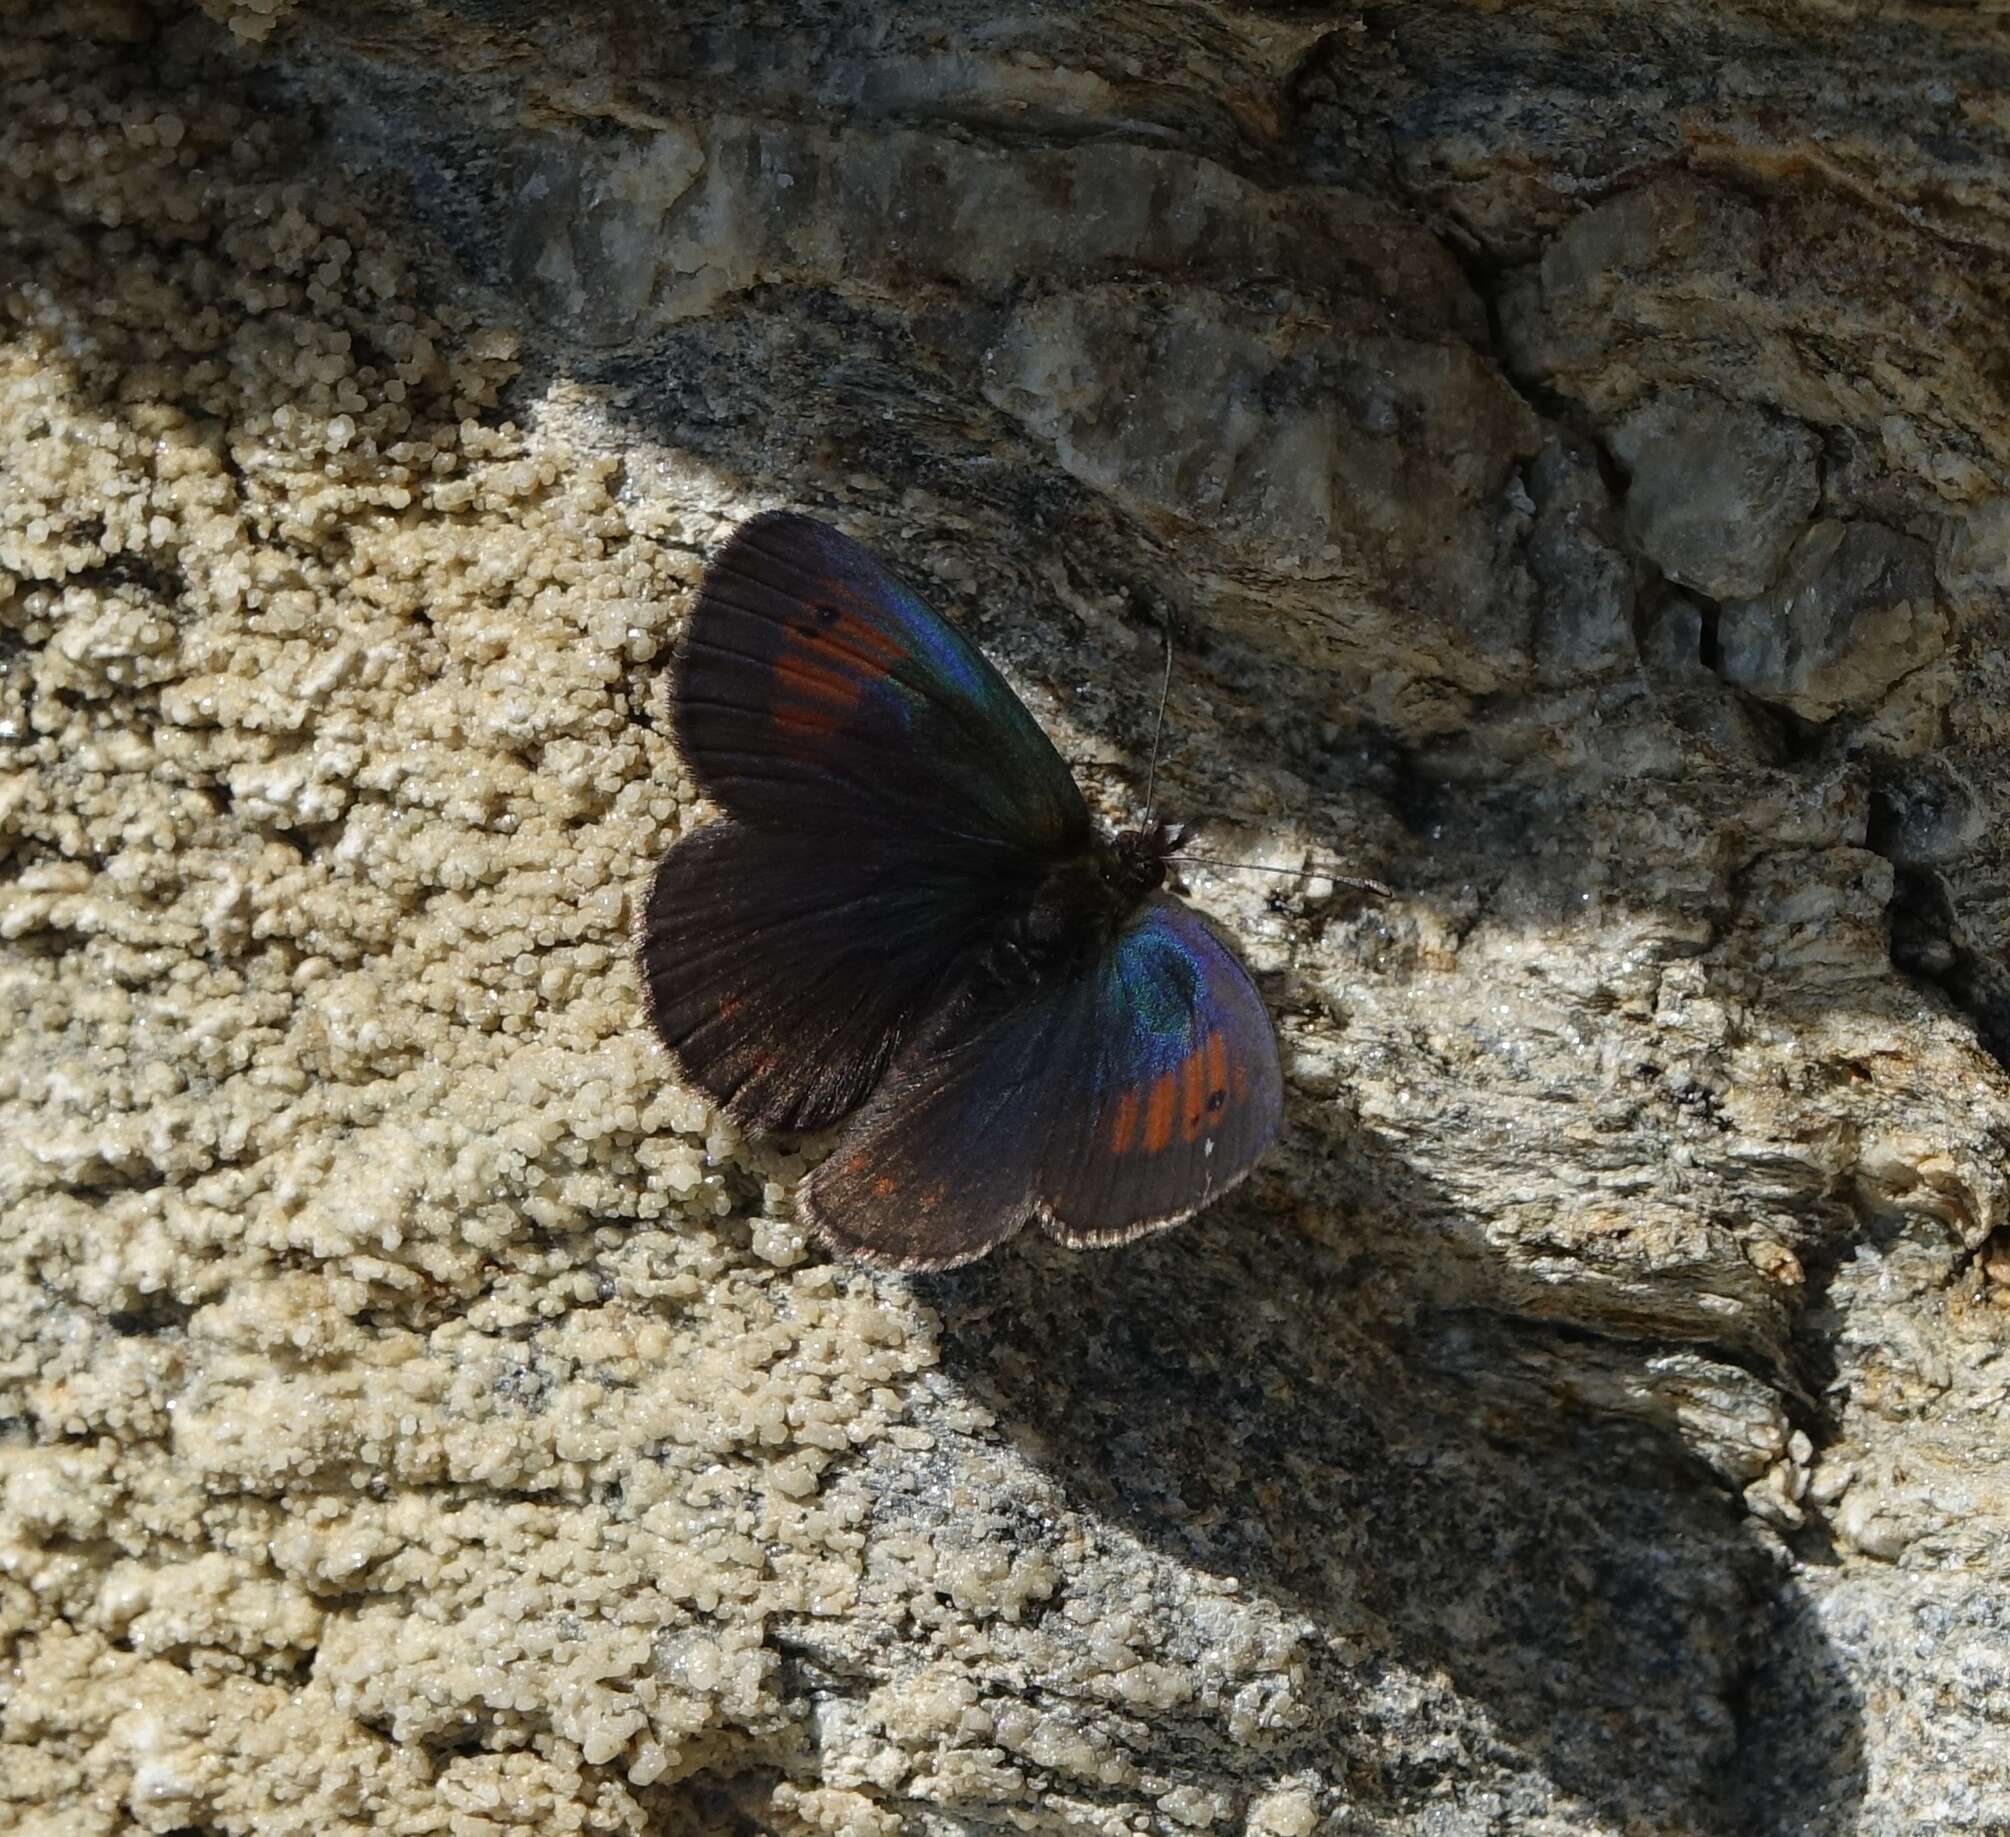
(354, 1303)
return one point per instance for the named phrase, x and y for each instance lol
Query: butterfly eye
(827, 615)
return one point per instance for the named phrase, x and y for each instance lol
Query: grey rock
(1927, 815)
(1584, 623)
(1719, 491)
(1282, 436)
(1854, 610)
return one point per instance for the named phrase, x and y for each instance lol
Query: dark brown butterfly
(910, 921)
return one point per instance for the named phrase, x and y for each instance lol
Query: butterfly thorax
(1079, 903)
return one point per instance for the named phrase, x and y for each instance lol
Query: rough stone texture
(1570, 442)
(1854, 612)
(1716, 494)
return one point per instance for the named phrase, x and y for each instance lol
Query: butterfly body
(1079, 905)
(909, 923)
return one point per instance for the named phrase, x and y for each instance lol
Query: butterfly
(909, 923)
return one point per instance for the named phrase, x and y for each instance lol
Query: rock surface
(1571, 444)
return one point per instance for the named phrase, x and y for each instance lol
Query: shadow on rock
(1515, 1606)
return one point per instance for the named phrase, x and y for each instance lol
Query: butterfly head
(1133, 863)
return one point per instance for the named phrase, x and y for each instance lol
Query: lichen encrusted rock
(1570, 449)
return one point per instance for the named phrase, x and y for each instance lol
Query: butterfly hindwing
(1179, 1087)
(1107, 1106)
(812, 689)
(784, 971)
(938, 1167)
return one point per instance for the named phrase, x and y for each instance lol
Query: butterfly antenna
(1158, 730)
(1360, 882)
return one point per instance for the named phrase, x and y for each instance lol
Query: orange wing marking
(1217, 1075)
(1159, 1113)
(1193, 1094)
(822, 672)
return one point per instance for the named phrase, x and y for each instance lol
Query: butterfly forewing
(812, 688)
(889, 796)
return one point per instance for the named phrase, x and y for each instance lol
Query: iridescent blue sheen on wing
(1105, 1106)
(811, 687)
(1184, 1087)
